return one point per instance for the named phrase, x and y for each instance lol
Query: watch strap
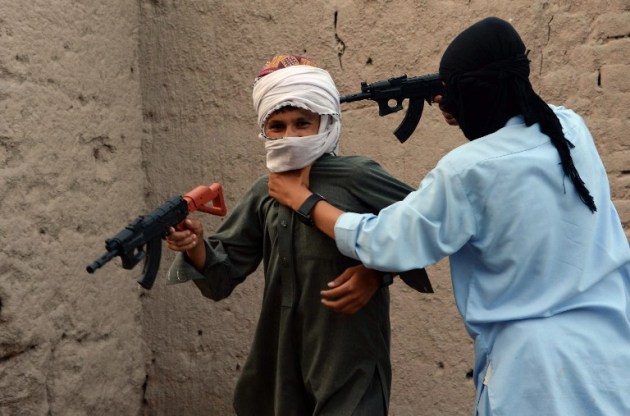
(304, 212)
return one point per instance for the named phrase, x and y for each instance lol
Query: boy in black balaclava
(487, 83)
(539, 261)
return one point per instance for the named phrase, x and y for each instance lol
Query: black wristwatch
(304, 212)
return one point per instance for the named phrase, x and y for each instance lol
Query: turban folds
(293, 81)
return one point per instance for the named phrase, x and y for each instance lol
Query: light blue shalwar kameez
(543, 284)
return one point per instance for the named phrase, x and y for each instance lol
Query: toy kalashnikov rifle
(141, 239)
(389, 95)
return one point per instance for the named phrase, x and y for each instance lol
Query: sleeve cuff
(346, 233)
(182, 271)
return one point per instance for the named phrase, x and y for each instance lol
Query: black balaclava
(486, 71)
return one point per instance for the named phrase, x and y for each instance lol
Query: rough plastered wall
(109, 108)
(198, 63)
(71, 175)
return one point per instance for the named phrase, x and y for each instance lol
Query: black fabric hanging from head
(486, 71)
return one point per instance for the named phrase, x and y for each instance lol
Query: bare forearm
(325, 216)
(197, 255)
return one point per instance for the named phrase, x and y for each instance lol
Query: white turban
(306, 87)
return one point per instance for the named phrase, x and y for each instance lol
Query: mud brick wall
(108, 109)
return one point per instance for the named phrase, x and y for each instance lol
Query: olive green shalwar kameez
(305, 359)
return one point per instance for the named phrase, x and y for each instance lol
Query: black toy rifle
(394, 91)
(148, 230)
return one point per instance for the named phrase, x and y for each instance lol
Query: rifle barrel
(355, 97)
(100, 262)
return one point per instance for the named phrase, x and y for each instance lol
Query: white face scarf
(306, 87)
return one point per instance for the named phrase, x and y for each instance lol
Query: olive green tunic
(305, 359)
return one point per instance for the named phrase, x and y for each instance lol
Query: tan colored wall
(199, 66)
(71, 174)
(107, 110)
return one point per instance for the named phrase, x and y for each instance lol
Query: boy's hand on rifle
(447, 116)
(188, 237)
(185, 236)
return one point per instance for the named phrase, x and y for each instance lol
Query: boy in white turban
(306, 359)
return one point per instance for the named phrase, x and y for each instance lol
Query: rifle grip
(390, 106)
(411, 120)
(151, 263)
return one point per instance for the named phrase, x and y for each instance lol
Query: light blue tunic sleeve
(432, 222)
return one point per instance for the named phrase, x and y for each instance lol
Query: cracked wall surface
(70, 155)
(109, 109)
(579, 53)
